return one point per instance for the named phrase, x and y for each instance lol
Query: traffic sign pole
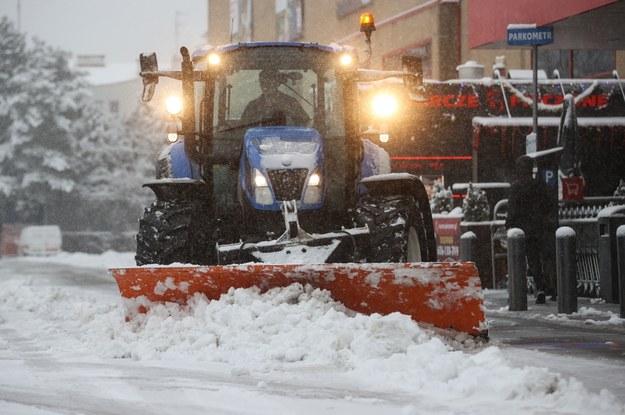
(535, 80)
(530, 35)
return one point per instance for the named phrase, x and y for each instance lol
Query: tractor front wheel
(397, 229)
(174, 231)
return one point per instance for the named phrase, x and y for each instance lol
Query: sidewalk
(595, 331)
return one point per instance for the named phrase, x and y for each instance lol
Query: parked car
(40, 240)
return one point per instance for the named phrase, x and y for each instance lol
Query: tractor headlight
(214, 59)
(262, 192)
(346, 59)
(314, 190)
(314, 180)
(259, 179)
(384, 104)
(173, 105)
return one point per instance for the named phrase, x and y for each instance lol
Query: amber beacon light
(367, 24)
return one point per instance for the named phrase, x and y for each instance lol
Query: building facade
(443, 33)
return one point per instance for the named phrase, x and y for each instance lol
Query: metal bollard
(468, 242)
(517, 271)
(566, 270)
(620, 250)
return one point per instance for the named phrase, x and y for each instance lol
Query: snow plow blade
(445, 295)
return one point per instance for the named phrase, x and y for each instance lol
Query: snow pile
(108, 259)
(590, 316)
(297, 331)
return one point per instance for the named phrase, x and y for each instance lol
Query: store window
(577, 63)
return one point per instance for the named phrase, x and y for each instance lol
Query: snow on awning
(539, 154)
(480, 185)
(546, 122)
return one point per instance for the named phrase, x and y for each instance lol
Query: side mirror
(149, 67)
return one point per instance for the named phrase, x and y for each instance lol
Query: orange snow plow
(445, 295)
(250, 194)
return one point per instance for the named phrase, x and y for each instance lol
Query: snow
(388, 176)
(539, 154)
(565, 232)
(546, 121)
(515, 233)
(291, 350)
(610, 211)
(526, 74)
(482, 185)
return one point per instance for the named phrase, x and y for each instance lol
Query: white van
(40, 240)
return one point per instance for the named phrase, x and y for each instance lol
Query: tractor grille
(288, 184)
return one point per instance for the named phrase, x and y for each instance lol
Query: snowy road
(65, 349)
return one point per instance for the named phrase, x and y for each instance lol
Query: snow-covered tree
(38, 105)
(127, 151)
(12, 63)
(61, 160)
(442, 199)
(475, 206)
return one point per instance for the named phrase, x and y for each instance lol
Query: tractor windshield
(274, 87)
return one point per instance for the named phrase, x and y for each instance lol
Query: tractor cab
(265, 123)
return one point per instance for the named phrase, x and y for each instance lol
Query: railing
(588, 208)
(581, 216)
(498, 238)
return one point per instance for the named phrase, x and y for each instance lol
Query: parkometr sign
(529, 35)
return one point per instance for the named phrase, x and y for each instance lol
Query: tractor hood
(284, 147)
(287, 158)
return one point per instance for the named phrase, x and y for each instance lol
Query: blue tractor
(273, 165)
(270, 180)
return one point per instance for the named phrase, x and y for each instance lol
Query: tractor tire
(174, 231)
(397, 230)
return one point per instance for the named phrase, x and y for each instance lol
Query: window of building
(289, 19)
(392, 61)
(577, 63)
(241, 20)
(114, 107)
(345, 7)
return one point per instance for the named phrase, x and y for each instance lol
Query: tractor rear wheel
(397, 229)
(174, 231)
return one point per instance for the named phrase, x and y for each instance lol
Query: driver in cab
(273, 107)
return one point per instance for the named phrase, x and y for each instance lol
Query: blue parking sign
(529, 35)
(550, 177)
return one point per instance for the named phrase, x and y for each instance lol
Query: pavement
(594, 331)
